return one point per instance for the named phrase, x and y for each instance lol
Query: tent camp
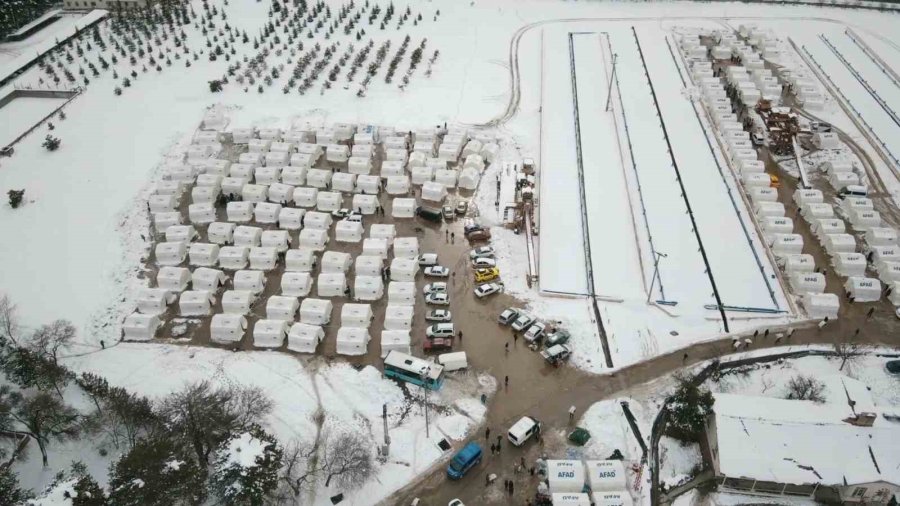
(348, 231)
(777, 225)
(802, 196)
(239, 212)
(397, 185)
(786, 244)
(850, 205)
(269, 333)
(195, 303)
(392, 168)
(204, 278)
(343, 182)
(365, 204)
(446, 177)
(416, 159)
(266, 212)
(384, 231)
(803, 262)
(247, 236)
(565, 475)
(336, 261)
(368, 265)
(404, 269)
(337, 153)
(821, 305)
(368, 288)
(315, 311)
(290, 218)
(282, 307)
(305, 196)
(237, 301)
(403, 208)
(352, 341)
(763, 195)
(154, 301)
(398, 317)
(402, 293)
(305, 338)
(605, 475)
(824, 226)
(182, 173)
(884, 253)
(203, 180)
(221, 233)
(862, 289)
(233, 186)
(296, 284)
(243, 171)
(396, 155)
(888, 272)
(369, 185)
(280, 193)
(278, 239)
(468, 178)
(474, 161)
(170, 253)
(263, 258)
(436, 163)
(329, 202)
(183, 233)
(140, 327)
(277, 158)
(433, 191)
(376, 247)
(233, 257)
(395, 142)
(227, 328)
(808, 282)
(447, 151)
(356, 315)
(406, 247)
(203, 254)
(881, 236)
(173, 279)
(313, 239)
(421, 175)
(331, 284)
(318, 178)
(268, 174)
(301, 259)
(317, 220)
(395, 340)
(252, 281)
(839, 243)
(763, 209)
(849, 264)
(202, 213)
(254, 159)
(164, 220)
(816, 211)
(243, 135)
(293, 175)
(162, 203)
(305, 160)
(285, 146)
(865, 219)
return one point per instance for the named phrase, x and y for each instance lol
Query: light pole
(657, 256)
(611, 77)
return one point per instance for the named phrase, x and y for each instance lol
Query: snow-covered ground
(22, 113)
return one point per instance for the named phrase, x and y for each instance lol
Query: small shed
(821, 305)
(300, 260)
(825, 226)
(227, 328)
(252, 281)
(269, 333)
(397, 185)
(233, 257)
(396, 155)
(336, 261)
(317, 220)
(243, 171)
(153, 301)
(318, 178)
(368, 265)
(808, 282)
(343, 182)
(237, 301)
(233, 186)
(826, 140)
(337, 153)
(384, 231)
(268, 174)
(803, 262)
(398, 317)
(881, 236)
(306, 196)
(403, 208)
(348, 231)
(421, 175)
(468, 178)
(263, 258)
(433, 191)
(352, 341)
(170, 253)
(278, 239)
(368, 288)
(164, 220)
(404, 269)
(305, 338)
(777, 225)
(446, 177)
(369, 185)
(565, 476)
(332, 284)
(862, 289)
(162, 203)
(402, 293)
(375, 246)
(764, 209)
(247, 236)
(865, 219)
(282, 307)
(181, 233)
(315, 311)
(203, 254)
(266, 212)
(786, 244)
(329, 201)
(294, 175)
(474, 161)
(280, 193)
(254, 193)
(140, 327)
(839, 243)
(356, 315)
(202, 213)
(195, 303)
(204, 278)
(296, 284)
(365, 204)
(406, 247)
(395, 340)
(849, 264)
(290, 218)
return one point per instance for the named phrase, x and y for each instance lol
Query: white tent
(816, 211)
(603, 475)
(282, 307)
(755, 180)
(343, 131)
(204, 278)
(267, 175)
(447, 151)
(375, 246)
(239, 212)
(337, 153)
(305, 338)
(227, 328)
(294, 175)
(164, 220)
(863, 289)
(474, 161)
(384, 231)
(404, 269)
(352, 341)
(263, 258)
(331, 284)
(183, 173)
(255, 159)
(402, 292)
(266, 212)
(808, 282)
(839, 243)
(777, 225)
(406, 247)
(832, 166)
(202, 213)
(436, 163)
(863, 220)
(203, 180)
(310, 147)
(490, 152)
(468, 178)
(571, 499)
(252, 281)
(162, 203)
(325, 136)
(826, 140)
(750, 166)
(237, 301)
(312, 238)
(888, 272)
(302, 259)
(305, 160)
(328, 202)
(365, 204)
(802, 196)
(243, 135)
(786, 244)
(233, 257)
(368, 288)
(318, 178)
(233, 186)
(565, 475)
(290, 218)
(395, 340)
(397, 185)
(446, 177)
(619, 498)
(421, 175)
(803, 262)
(391, 168)
(841, 180)
(280, 193)
(857, 204)
(203, 254)
(370, 185)
(140, 327)
(398, 317)
(183, 233)
(763, 195)
(170, 253)
(403, 208)
(286, 146)
(153, 301)
(416, 159)
(763, 209)
(247, 236)
(317, 220)
(824, 226)
(278, 239)
(243, 171)
(356, 315)
(821, 305)
(195, 303)
(364, 139)
(433, 191)
(277, 158)
(395, 142)
(885, 253)
(305, 196)
(261, 145)
(296, 284)
(173, 279)
(881, 236)
(396, 155)
(348, 231)
(336, 261)
(473, 147)
(849, 264)
(368, 265)
(220, 233)
(315, 311)
(343, 182)
(269, 333)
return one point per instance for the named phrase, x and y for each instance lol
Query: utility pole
(387, 437)
(427, 432)
(657, 256)
(611, 78)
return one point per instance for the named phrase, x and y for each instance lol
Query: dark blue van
(464, 460)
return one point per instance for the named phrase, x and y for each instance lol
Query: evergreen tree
(246, 467)
(157, 471)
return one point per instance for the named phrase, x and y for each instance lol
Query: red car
(438, 344)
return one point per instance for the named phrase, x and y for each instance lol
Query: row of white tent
(573, 477)
(841, 174)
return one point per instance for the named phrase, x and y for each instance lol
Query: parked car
(429, 213)
(462, 207)
(438, 299)
(522, 321)
(757, 139)
(484, 262)
(507, 316)
(481, 251)
(455, 502)
(439, 286)
(486, 289)
(465, 459)
(437, 271)
(428, 259)
(341, 213)
(819, 126)
(438, 315)
(534, 333)
(893, 366)
(488, 274)
(478, 234)
(448, 212)
(440, 330)
(522, 430)
(439, 344)
(556, 354)
(558, 337)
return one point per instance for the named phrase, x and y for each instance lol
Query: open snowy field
(22, 113)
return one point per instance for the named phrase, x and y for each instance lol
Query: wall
(879, 492)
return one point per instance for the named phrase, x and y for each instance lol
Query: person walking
(487, 480)
(515, 339)
(571, 414)
(507, 347)
(869, 314)
(684, 358)
(506, 382)
(446, 235)
(493, 449)
(460, 336)
(452, 237)
(511, 487)
(487, 433)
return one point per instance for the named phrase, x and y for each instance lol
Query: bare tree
(9, 321)
(849, 353)
(41, 417)
(805, 388)
(299, 470)
(49, 339)
(347, 459)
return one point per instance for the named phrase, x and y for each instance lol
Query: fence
(39, 94)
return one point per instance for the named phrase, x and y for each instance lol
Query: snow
(679, 461)
(243, 451)
(60, 495)
(22, 113)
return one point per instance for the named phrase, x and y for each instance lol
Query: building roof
(802, 442)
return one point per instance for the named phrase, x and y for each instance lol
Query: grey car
(508, 316)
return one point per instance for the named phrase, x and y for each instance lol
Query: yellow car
(488, 274)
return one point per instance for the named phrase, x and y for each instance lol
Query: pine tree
(236, 481)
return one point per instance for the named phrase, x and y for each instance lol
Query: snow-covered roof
(802, 442)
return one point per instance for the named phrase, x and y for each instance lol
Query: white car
(535, 332)
(437, 271)
(483, 251)
(437, 287)
(428, 259)
(439, 315)
(483, 262)
(522, 321)
(455, 502)
(486, 289)
(438, 299)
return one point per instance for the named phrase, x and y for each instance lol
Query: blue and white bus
(413, 370)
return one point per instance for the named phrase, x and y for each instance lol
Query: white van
(522, 430)
(440, 330)
(453, 361)
(853, 190)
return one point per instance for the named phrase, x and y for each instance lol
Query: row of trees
(183, 449)
(17, 13)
